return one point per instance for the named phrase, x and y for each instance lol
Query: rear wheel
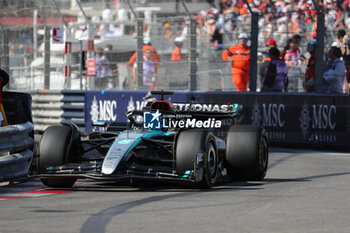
(197, 146)
(54, 148)
(247, 153)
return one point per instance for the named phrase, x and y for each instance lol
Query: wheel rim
(264, 154)
(212, 160)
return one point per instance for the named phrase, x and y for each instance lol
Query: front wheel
(197, 146)
(54, 150)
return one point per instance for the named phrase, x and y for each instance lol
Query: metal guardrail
(52, 107)
(16, 150)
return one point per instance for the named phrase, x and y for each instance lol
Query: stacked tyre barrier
(16, 139)
(16, 150)
(54, 107)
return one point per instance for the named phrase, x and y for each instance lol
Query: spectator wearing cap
(275, 78)
(176, 54)
(334, 73)
(270, 43)
(240, 62)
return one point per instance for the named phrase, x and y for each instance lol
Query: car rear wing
(209, 110)
(202, 111)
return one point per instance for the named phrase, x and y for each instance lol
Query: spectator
(224, 5)
(240, 62)
(346, 59)
(270, 43)
(168, 35)
(4, 79)
(281, 32)
(293, 53)
(334, 73)
(291, 58)
(102, 69)
(214, 33)
(276, 78)
(176, 55)
(339, 41)
(297, 40)
(286, 47)
(147, 46)
(309, 83)
(149, 74)
(113, 67)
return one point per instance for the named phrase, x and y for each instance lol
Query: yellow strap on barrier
(2, 112)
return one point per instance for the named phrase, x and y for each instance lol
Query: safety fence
(115, 29)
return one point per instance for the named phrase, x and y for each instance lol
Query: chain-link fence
(100, 37)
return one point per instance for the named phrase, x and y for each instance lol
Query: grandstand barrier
(16, 139)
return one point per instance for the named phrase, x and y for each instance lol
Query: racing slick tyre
(54, 150)
(246, 153)
(196, 147)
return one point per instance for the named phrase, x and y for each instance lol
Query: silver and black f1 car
(159, 143)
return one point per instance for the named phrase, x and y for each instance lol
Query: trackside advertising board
(297, 119)
(112, 106)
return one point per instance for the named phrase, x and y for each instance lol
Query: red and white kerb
(68, 54)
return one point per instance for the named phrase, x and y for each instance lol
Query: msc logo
(152, 120)
(103, 110)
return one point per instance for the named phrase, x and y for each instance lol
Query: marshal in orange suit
(240, 62)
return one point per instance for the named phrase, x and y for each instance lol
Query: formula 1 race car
(159, 143)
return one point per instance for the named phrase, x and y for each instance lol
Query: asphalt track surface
(304, 191)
